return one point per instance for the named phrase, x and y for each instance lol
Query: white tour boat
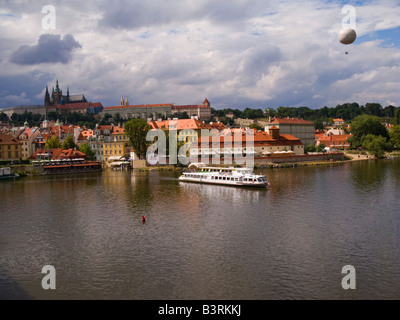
(242, 177)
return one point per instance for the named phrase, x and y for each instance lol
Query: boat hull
(87, 167)
(226, 183)
(10, 177)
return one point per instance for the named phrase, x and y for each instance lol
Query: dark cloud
(29, 85)
(51, 48)
(132, 14)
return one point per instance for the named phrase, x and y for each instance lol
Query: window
(9, 147)
(16, 154)
(9, 154)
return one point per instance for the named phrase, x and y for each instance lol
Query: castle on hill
(57, 97)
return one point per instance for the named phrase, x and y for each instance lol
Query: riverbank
(27, 170)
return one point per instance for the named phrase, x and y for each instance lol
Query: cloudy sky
(236, 53)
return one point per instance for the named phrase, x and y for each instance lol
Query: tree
(364, 125)
(69, 143)
(87, 149)
(53, 143)
(52, 115)
(374, 109)
(320, 147)
(3, 117)
(318, 124)
(256, 127)
(376, 145)
(397, 116)
(136, 130)
(179, 115)
(310, 148)
(394, 134)
(117, 118)
(106, 118)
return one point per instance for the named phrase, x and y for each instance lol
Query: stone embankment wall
(302, 158)
(27, 169)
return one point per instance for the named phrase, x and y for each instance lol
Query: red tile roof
(180, 124)
(334, 140)
(290, 121)
(140, 106)
(117, 130)
(60, 154)
(8, 139)
(260, 139)
(78, 106)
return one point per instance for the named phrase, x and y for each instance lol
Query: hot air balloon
(347, 36)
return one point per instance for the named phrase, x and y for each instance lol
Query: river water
(290, 241)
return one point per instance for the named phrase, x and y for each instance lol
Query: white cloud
(236, 53)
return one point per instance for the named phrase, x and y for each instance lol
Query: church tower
(56, 95)
(46, 101)
(47, 97)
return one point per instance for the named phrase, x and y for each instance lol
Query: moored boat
(6, 174)
(240, 177)
(71, 166)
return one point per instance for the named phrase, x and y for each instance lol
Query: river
(289, 241)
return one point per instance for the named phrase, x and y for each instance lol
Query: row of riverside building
(109, 142)
(282, 137)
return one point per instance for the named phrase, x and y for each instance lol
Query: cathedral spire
(46, 101)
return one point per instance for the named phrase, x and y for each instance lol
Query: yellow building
(116, 146)
(27, 137)
(10, 147)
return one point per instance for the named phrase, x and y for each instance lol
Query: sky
(235, 53)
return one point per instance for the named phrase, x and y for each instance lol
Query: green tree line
(346, 111)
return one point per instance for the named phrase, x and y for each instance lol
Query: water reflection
(368, 175)
(229, 193)
(204, 241)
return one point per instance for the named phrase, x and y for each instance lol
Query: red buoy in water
(143, 219)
